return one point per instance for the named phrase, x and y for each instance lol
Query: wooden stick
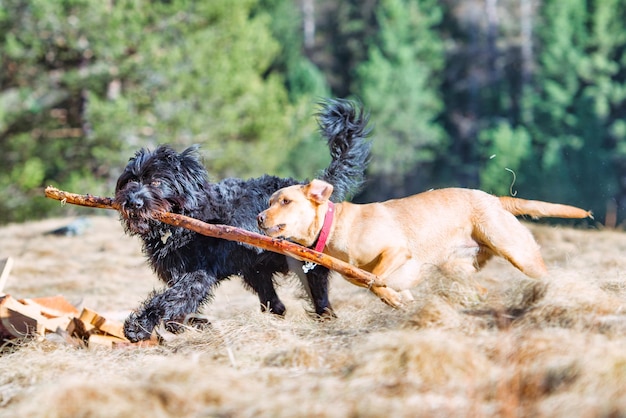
(351, 273)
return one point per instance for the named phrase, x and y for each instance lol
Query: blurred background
(524, 97)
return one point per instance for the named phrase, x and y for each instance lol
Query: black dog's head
(162, 180)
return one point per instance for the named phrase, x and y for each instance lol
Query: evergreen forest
(515, 97)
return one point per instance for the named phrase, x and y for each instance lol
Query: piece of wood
(53, 324)
(79, 329)
(103, 324)
(52, 306)
(106, 341)
(57, 311)
(24, 317)
(18, 320)
(353, 274)
(17, 324)
(5, 269)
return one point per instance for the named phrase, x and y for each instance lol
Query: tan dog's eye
(284, 202)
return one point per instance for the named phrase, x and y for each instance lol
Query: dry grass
(555, 348)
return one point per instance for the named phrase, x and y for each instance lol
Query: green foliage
(208, 86)
(343, 30)
(87, 82)
(507, 148)
(399, 83)
(303, 79)
(578, 107)
(84, 83)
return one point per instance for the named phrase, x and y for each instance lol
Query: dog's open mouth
(133, 216)
(273, 231)
(136, 222)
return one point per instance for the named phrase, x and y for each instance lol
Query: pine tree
(399, 83)
(88, 82)
(304, 81)
(579, 101)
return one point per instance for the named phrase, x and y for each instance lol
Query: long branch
(351, 273)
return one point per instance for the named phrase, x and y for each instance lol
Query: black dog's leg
(171, 306)
(262, 284)
(318, 285)
(260, 278)
(315, 283)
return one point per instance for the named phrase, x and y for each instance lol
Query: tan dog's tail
(539, 209)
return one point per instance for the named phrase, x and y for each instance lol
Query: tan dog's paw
(389, 296)
(407, 296)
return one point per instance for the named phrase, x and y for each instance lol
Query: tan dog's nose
(260, 219)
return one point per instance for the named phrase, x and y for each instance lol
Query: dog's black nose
(134, 203)
(260, 219)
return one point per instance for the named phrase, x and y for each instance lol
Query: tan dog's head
(297, 212)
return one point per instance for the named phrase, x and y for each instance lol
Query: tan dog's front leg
(389, 261)
(388, 295)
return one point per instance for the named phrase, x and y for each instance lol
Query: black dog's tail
(344, 125)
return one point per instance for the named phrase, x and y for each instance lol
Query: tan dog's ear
(318, 191)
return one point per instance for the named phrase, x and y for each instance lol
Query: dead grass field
(555, 348)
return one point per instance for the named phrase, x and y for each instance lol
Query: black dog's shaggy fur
(191, 265)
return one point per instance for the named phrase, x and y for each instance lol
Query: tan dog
(457, 229)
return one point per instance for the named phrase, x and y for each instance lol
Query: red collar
(328, 222)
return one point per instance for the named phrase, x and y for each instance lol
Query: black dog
(191, 265)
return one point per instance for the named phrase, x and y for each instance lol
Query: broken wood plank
(53, 324)
(103, 324)
(106, 341)
(55, 315)
(18, 320)
(52, 306)
(6, 264)
(79, 329)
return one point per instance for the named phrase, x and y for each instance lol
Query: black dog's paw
(277, 308)
(327, 314)
(137, 328)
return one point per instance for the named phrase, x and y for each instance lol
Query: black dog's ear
(191, 153)
(191, 158)
(190, 162)
(133, 168)
(139, 156)
(165, 152)
(192, 149)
